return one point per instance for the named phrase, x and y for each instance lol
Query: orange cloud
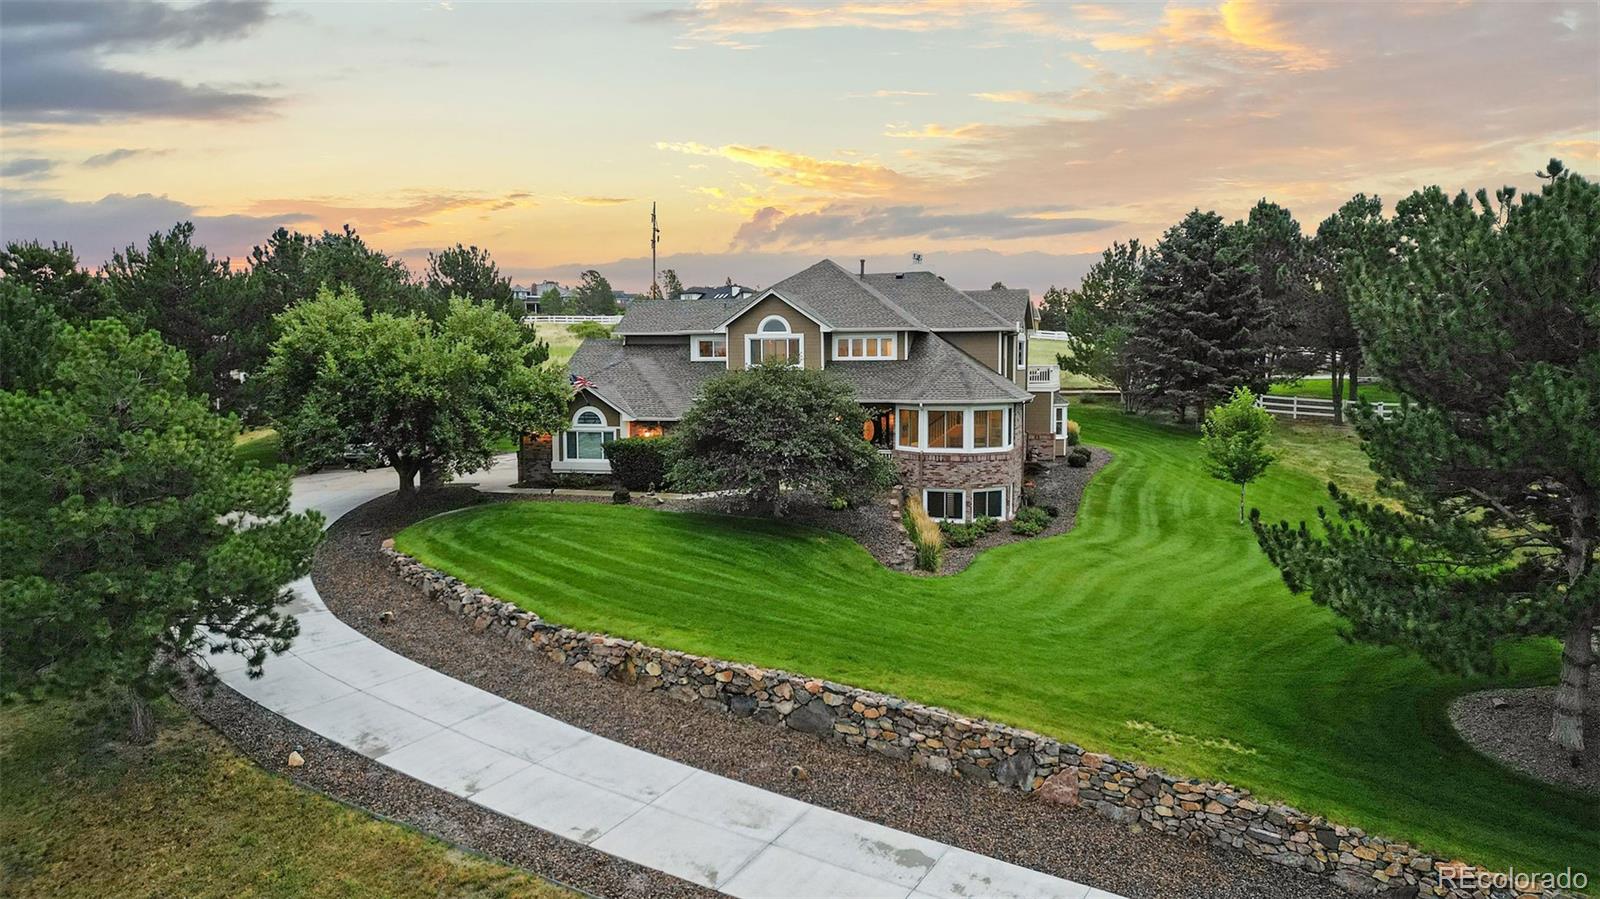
(939, 132)
(799, 170)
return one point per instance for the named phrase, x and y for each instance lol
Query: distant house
(943, 374)
(529, 296)
(726, 292)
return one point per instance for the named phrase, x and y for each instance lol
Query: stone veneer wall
(965, 748)
(534, 455)
(963, 471)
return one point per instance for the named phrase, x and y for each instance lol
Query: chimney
(863, 269)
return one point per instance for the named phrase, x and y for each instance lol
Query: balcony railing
(1044, 378)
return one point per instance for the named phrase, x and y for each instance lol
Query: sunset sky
(1004, 141)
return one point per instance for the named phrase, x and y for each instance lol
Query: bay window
(989, 429)
(908, 433)
(946, 428)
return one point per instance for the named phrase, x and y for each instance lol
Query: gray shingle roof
(644, 381)
(936, 373)
(720, 292)
(841, 300)
(677, 316)
(1009, 303)
(938, 305)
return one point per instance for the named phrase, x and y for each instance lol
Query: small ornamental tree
(432, 397)
(129, 536)
(777, 426)
(1233, 441)
(1486, 314)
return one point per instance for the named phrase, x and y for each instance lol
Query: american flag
(579, 382)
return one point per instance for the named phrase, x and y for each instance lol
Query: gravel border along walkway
(351, 777)
(358, 587)
(1513, 726)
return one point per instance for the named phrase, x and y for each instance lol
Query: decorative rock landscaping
(970, 749)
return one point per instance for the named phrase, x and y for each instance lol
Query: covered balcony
(1044, 378)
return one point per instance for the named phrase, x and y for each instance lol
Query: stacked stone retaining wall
(970, 749)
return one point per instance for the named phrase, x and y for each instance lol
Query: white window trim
(967, 416)
(694, 348)
(559, 460)
(1022, 349)
(786, 334)
(957, 491)
(1005, 502)
(898, 433)
(1059, 416)
(846, 337)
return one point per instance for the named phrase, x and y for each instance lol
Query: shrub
(925, 536)
(585, 330)
(1079, 456)
(1072, 433)
(959, 534)
(640, 463)
(986, 525)
(839, 503)
(1030, 520)
(621, 496)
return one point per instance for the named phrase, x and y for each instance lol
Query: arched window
(585, 441)
(774, 341)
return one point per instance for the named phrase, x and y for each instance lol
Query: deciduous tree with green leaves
(551, 302)
(1487, 316)
(432, 397)
(671, 287)
(774, 426)
(1099, 317)
(1233, 442)
(594, 295)
(130, 538)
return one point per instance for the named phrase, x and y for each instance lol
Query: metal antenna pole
(655, 237)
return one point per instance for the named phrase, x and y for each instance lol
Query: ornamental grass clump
(925, 536)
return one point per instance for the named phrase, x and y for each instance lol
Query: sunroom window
(908, 433)
(989, 428)
(945, 429)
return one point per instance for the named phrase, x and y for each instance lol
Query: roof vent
(863, 268)
(900, 275)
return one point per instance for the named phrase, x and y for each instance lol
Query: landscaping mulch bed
(1056, 484)
(359, 587)
(1513, 726)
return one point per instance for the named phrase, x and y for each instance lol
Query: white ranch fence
(569, 319)
(1048, 335)
(1305, 407)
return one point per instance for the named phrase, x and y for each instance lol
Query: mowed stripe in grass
(1155, 630)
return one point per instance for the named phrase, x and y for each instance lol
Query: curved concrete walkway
(720, 833)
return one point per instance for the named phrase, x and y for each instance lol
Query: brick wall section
(962, 471)
(534, 454)
(965, 748)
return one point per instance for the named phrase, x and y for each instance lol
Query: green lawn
(1044, 352)
(84, 815)
(1156, 631)
(562, 343)
(258, 447)
(1321, 388)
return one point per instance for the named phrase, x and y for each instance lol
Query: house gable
(747, 323)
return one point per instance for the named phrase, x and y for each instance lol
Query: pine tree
(1098, 316)
(671, 287)
(1488, 316)
(1194, 338)
(1353, 236)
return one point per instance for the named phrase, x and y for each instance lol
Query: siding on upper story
(988, 347)
(812, 349)
(587, 398)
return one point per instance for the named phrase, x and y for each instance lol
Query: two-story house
(942, 372)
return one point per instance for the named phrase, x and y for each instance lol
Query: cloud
(112, 157)
(727, 22)
(939, 132)
(96, 228)
(798, 170)
(29, 168)
(599, 201)
(417, 210)
(771, 227)
(52, 66)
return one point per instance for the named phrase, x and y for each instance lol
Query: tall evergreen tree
(1277, 254)
(469, 272)
(130, 537)
(176, 288)
(1099, 317)
(343, 259)
(1488, 316)
(54, 278)
(1053, 310)
(1355, 236)
(1195, 332)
